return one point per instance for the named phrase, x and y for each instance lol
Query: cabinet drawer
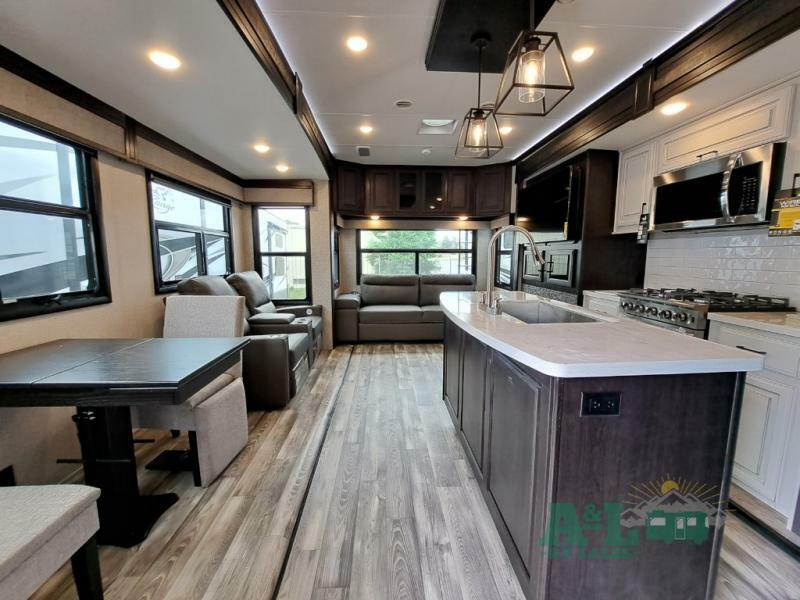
(779, 356)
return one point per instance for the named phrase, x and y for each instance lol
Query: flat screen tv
(546, 207)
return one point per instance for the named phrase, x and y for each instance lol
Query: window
(405, 252)
(51, 255)
(282, 252)
(190, 231)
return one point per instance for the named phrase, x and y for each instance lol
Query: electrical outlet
(600, 404)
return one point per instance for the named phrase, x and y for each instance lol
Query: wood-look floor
(391, 511)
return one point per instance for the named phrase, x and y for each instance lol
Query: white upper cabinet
(634, 186)
(754, 121)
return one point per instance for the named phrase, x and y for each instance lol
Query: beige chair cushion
(31, 516)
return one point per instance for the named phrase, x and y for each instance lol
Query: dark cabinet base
(605, 506)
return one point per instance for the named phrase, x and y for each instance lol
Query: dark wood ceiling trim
(251, 24)
(287, 184)
(735, 33)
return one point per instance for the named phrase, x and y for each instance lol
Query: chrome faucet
(489, 302)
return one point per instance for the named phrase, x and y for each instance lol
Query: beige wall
(32, 438)
(321, 225)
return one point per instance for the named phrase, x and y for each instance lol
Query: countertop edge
(600, 369)
(736, 319)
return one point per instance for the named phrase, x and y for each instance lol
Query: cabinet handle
(751, 350)
(700, 156)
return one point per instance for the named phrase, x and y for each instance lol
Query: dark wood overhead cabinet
(430, 192)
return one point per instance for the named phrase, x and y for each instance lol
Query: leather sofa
(396, 308)
(277, 360)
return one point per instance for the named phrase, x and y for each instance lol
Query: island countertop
(610, 347)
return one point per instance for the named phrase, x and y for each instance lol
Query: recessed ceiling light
(463, 218)
(375, 217)
(673, 108)
(437, 122)
(582, 54)
(357, 43)
(437, 126)
(261, 148)
(165, 60)
(365, 129)
(426, 151)
(282, 168)
(506, 129)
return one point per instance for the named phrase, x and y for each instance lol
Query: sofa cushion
(30, 516)
(390, 313)
(206, 285)
(250, 285)
(430, 286)
(389, 289)
(432, 314)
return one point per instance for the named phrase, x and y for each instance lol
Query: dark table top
(113, 372)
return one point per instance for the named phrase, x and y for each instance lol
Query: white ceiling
(346, 90)
(219, 103)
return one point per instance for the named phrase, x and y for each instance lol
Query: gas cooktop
(686, 310)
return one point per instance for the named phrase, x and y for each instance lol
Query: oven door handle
(734, 162)
(745, 348)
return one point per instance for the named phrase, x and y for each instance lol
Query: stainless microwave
(731, 190)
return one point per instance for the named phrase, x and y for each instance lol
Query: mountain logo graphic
(672, 509)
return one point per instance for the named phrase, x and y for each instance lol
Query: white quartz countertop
(785, 323)
(609, 347)
(606, 294)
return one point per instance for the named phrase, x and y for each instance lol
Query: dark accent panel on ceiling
(290, 184)
(251, 24)
(449, 48)
(740, 30)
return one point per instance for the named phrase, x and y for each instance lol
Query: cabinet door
(761, 441)
(350, 189)
(754, 121)
(459, 193)
(515, 399)
(409, 191)
(452, 368)
(433, 202)
(492, 191)
(381, 191)
(634, 187)
(472, 396)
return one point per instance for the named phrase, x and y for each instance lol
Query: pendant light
(479, 136)
(536, 76)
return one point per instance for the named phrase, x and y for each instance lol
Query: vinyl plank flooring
(358, 490)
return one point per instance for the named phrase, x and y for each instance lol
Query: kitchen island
(603, 446)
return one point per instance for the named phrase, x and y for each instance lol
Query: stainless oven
(732, 190)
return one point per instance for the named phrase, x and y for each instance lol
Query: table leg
(106, 439)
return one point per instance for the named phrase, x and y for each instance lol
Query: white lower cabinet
(606, 304)
(767, 447)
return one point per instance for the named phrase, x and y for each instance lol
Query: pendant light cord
(480, 68)
(533, 15)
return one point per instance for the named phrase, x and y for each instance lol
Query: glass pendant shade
(479, 136)
(536, 77)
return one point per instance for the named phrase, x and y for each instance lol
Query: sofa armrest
(265, 363)
(297, 325)
(351, 301)
(270, 319)
(302, 311)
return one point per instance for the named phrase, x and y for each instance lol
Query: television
(547, 206)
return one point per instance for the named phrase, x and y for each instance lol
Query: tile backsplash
(745, 261)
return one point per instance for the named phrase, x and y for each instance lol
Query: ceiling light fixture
(506, 129)
(673, 108)
(375, 217)
(463, 218)
(365, 129)
(282, 168)
(357, 43)
(426, 151)
(261, 148)
(539, 89)
(582, 54)
(164, 60)
(479, 136)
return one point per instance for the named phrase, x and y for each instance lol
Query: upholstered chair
(41, 528)
(216, 416)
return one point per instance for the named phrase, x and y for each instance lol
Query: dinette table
(103, 379)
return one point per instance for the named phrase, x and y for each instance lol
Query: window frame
(90, 214)
(167, 287)
(416, 252)
(259, 254)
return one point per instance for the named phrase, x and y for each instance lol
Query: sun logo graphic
(673, 509)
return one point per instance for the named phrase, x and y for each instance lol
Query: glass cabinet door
(434, 192)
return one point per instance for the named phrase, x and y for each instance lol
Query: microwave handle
(734, 162)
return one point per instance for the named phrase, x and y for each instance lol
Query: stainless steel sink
(540, 312)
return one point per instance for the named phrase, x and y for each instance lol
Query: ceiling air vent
(437, 127)
(404, 104)
(362, 150)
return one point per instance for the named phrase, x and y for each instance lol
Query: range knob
(626, 305)
(652, 310)
(666, 314)
(682, 317)
(640, 308)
